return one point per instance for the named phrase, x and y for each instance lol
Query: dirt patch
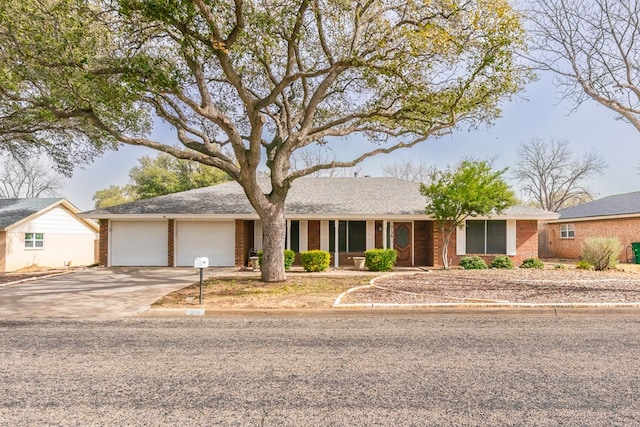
(502, 286)
(304, 291)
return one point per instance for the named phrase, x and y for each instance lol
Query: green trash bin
(635, 247)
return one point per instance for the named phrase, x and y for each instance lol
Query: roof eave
(595, 218)
(62, 202)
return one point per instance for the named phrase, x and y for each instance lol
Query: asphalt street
(350, 369)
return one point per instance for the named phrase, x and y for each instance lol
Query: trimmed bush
(601, 252)
(532, 263)
(289, 257)
(502, 261)
(584, 265)
(472, 263)
(315, 260)
(560, 266)
(380, 259)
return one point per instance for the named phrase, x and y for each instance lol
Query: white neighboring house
(45, 233)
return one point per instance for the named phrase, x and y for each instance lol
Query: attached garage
(212, 239)
(138, 243)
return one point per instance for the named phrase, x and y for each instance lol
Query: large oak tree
(246, 84)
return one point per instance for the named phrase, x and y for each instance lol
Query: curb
(515, 305)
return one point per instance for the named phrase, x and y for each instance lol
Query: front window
(34, 240)
(567, 231)
(352, 236)
(295, 236)
(486, 237)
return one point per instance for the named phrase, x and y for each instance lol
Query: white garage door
(136, 243)
(214, 240)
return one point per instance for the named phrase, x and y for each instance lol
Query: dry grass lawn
(299, 291)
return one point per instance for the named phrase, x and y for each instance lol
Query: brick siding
(313, 235)
(243, 241)
(171, 225)
(423, 243)
(103, 244)
(626, 230)
(3, 251)
(526, 245)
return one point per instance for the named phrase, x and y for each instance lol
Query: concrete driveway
(98, 292)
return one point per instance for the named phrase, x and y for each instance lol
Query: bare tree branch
(592, 47)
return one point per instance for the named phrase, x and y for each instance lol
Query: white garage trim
(212, 239)
(138, 243)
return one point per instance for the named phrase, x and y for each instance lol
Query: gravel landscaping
(520, 286)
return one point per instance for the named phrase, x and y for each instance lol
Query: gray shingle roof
(621, 204)
(15, 210)
(308, 196)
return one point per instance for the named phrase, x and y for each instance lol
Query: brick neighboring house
(614, 216)
(344, 216)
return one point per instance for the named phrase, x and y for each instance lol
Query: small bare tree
(28, 178)
(552, 177)
(410, 171)
(309, 157)
(593, 47)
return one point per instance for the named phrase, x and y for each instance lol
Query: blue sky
(538, 113)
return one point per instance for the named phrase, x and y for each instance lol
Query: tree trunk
(274, 228)
(445, 250)
(446, 238)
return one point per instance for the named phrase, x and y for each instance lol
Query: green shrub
(315, 260)
(532, 263)
(560, 266)
(472, 263)
(601, 252)
(289, 257)
(380, 259)
(502, 261)
(584, 265)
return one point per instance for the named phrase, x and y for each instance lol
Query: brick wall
(313, 235)
(526, 241)
(3, 251)
(243, 241)
(423, 243)
(526, 245)
(171, 242)
(626, 230)
(103, 244)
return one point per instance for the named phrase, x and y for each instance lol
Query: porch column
(384, 234)
(288, 242)
(336, 245)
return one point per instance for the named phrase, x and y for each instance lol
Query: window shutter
(461, 240)
(511, 237)
(371, 235)
(257, 235)
(304, 236)
(324, 236)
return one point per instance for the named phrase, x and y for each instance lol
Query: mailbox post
(201, 263)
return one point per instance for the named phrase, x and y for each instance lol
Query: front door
(402, 243)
